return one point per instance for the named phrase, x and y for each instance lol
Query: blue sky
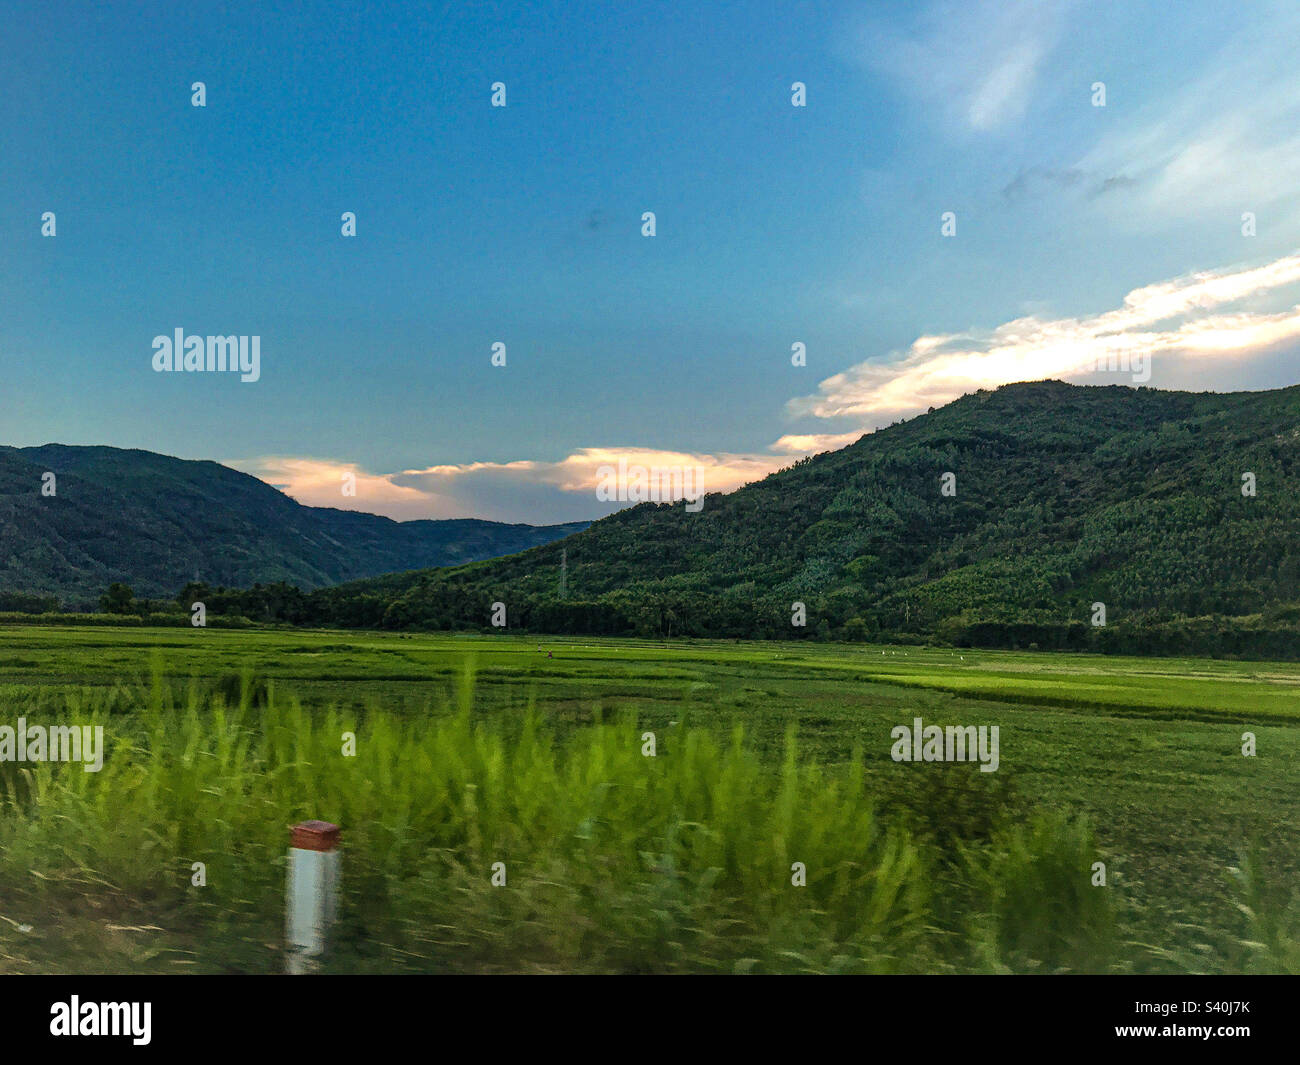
(1079, 229)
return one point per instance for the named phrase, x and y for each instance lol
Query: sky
(970, 194)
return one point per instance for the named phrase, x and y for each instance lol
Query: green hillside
(155, 523)
(1066, 496)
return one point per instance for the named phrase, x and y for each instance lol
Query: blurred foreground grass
(615, 861)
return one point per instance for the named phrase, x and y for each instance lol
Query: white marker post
(312, 899)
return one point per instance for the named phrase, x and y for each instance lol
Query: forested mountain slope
(1065, 496)
(155, 522)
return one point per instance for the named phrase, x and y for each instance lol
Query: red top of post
(314, 836)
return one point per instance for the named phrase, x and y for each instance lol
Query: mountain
(155, 523)
(1065, 496)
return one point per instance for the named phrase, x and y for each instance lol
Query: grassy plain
(1148, 751)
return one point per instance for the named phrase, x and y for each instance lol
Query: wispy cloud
(1226, 140)
(1035, 181)
(976, 63)
(1239, 312)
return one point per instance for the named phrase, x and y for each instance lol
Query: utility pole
(564, 573)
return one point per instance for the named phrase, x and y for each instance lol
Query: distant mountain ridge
(156, 522)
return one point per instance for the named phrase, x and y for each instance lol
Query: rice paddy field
(470, 751)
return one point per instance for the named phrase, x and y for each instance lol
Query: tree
(194, 592)
(855, 630)
(119, 599)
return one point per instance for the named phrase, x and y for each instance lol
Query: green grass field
(912, 867)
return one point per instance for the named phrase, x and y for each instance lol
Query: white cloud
(1005, 90)
(813, 443)
(1225, 141)
(975, 62)
(1240, 312)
